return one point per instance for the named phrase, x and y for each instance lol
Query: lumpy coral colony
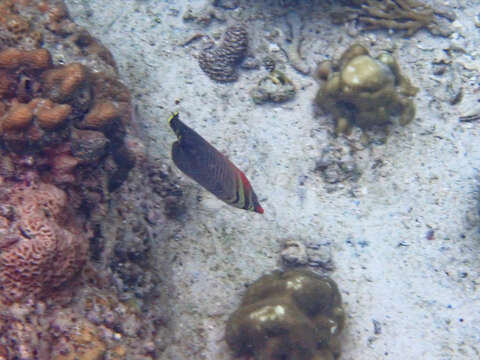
(220, 63)
(365, 91)
(57, 125)
(295, 314)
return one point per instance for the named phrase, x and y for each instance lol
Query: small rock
(320, 255)
(226, 4)
(377, 327)
(275, 87)
(337, 164)
(294, 253)
(250, 63)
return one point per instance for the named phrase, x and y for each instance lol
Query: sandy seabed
(403, 237)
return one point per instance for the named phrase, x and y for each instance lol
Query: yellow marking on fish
(241, 193)
(173, 116)
(175, 130)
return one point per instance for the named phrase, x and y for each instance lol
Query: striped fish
(199, 160)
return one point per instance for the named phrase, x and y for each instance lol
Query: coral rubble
(220, 63)
(275, 87)
(292, 315)
(95, 325)
(404, 15)
(365, 91)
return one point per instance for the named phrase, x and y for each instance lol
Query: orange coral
(10, 58)
(61, 83)
(47, 247)
(19, 117)
(50, 115)
(63, 167)
(17, 24)
(42, 105)
(7, 84)
(38, 59)
(101, 115)
(84, 342)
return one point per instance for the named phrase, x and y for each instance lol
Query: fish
(200, 161)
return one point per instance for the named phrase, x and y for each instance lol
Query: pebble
(476, 21)
(294, 253)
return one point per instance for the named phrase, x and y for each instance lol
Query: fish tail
(250, 198)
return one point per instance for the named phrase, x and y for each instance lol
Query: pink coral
(42, 244)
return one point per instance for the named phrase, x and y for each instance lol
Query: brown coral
(101, 115)
(63, 166)
(19, 117)
(8, 85)
(292, 315)
(50, 115)
(220, 63)
(404, 15)
(61, 83)
(42, 108)
(88, 145)
(12, 58)
(47, 248)
(83, 343)
(366, 91)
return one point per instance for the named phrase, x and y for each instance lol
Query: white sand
(425, 295)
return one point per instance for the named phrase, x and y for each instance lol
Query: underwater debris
(336, 164)
(203, 16)
(275, 87)
(469, 118)
(290, 41)
(470, 114)
(365, 91)
(269, 63)
(295, 314)
(294, 253)
(297, 253)
(220, 63)
(405, 15)
(199, 160)
(226, 4)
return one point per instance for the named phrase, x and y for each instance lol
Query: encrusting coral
(42, 244)
(50, 115)
(102, 115)
(364, 91)
(296, 314)
(12, 59)
(96, 326)
(44, 146)
(220, 63)
(275, 87)
(42, 105)
(67, 141)
(66, 82)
